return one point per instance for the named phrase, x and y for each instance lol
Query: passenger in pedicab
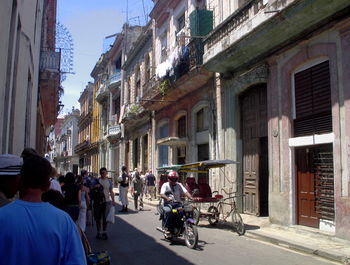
(191, 186)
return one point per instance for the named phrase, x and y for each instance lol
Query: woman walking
(84, 204)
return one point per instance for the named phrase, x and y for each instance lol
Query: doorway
(255, 150)
(315, 184)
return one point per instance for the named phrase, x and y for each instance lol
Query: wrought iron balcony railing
(50, 60)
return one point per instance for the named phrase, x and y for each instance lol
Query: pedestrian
(137, 190)
(123, 180)
(10, 169)
(151, 184)
(54, 184)
(84, 204)
(87, 179)
(103, 201)
(143, 178)
(47, 235)
(72, 195)
(28, 152)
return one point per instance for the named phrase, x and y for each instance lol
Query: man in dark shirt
(151, 184)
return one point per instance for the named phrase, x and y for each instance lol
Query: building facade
(282, 103)
(66, 159)
(84, 148)
(181, 97)
(136, 120)
(27, 26)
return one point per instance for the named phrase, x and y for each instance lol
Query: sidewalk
(299, 238)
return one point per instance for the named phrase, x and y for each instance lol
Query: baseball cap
(10, 164)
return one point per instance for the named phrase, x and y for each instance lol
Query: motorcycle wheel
(191, 236)
(237, 223)
(213, 218)
(196, 215)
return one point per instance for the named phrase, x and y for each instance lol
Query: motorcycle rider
(171, 192)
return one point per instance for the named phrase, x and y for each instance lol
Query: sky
(89, 22)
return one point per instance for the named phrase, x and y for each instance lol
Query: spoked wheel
(237, 223)
(213, 215)
(191, 236)
(196, 215)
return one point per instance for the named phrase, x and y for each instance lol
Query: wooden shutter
(313, 101)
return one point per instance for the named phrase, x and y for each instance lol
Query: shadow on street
(128, 245)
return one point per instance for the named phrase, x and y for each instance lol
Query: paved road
(133, 240)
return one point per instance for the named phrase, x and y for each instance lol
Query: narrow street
(133, 239)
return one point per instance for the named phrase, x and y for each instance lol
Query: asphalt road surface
(133, 240)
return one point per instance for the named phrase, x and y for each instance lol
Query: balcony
(50, 61)
(102, 93)
(114, 132)
(185, 77)
(114, 81)
(257, 30)
(135, 114)
(82, 147)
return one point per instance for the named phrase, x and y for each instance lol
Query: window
(181, 127)
(137, 83)
(313, 106)
(181, 22)
(164, 46)
(163, 149)
(147, 68)
(116, 106)
(202, 120)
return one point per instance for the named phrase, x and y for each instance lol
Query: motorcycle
(183, 224)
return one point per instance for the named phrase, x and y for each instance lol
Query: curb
(297, 247)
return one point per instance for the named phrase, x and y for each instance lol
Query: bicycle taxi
(203, 197)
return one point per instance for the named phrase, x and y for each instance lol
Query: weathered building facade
(282, 102)
(66, 159)
(180, 98)
(136, 120)
(27, 49)
(84, 148)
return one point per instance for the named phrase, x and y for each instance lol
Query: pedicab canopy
(201, 166)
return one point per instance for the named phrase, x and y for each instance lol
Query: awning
(172, 141)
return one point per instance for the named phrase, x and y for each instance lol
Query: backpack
(97, 195)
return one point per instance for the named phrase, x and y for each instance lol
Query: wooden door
(254, 128)
(306, 189)
(251, 176)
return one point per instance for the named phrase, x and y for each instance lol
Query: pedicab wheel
(196, 215)
(191, 236)
(213, 215)
(237, 223)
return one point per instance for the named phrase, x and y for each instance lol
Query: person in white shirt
(171, 192)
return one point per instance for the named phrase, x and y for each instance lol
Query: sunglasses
(174, 179)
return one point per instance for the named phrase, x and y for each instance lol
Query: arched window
(202, 118)
(163, 149)
(147, 68)
(181, 127)
(137, 83)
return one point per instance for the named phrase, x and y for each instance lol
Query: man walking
(103, 201)
(10, 169)
(46, 234)
(123, 189)
(137, 190)
(151, 184)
